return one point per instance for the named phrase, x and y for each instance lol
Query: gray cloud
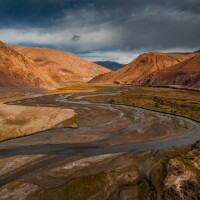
(76, 38)
(115, 25)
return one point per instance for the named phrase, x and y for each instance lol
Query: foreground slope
(62, 66)
(20, 73)
(186, 74)
(139, 70)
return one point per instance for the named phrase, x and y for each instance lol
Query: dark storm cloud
(76, 38)
(32, 12)
(125, 25)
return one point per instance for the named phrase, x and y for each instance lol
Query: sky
(116, 30)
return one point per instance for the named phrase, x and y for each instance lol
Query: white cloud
(34, 36)
(89, 38)
(93, 35)
(147, 25)
(176, 50)
(104, 30)
(123, 57)
(96, 32)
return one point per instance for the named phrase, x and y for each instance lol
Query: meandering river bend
(103, 128)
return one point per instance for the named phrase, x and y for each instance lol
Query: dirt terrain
(16, 121)
(156, 69)
(26, 70)
(116, 152)
(19, 73)
(185, 74)
(61, 66)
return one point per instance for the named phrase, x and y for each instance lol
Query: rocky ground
(150, 175)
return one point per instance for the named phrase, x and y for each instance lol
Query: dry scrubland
(84, 87)
(174, 101)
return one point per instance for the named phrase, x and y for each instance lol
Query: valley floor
(101, 142)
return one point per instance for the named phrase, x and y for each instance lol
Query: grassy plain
(85, 87)
(174, 101)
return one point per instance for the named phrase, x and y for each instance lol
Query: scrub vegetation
(185, 103)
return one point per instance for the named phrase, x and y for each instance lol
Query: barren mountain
(62, 66)
(20, 73)
(139, 70)
(186, 74)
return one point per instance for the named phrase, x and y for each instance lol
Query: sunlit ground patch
(16, 121)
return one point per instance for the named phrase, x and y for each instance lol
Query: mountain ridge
(19, 72)
(62, 66)
(112, 65)
(186, 73)
(137, 71)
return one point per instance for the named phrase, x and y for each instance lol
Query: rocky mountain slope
(139, 70)
(185, 74)
(18, 72)
(182, 175)
(62, 66)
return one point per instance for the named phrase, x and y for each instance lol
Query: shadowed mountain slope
(186, 73)
(110, 64)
